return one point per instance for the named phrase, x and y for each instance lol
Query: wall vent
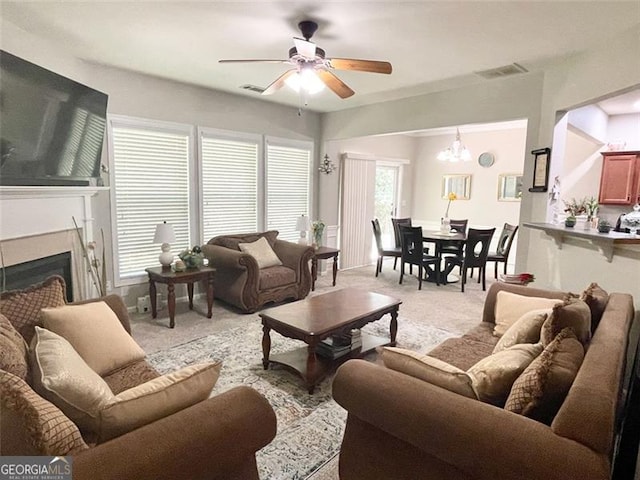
(503, 71)
(253, 88)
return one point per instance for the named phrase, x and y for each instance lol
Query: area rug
(309, 426)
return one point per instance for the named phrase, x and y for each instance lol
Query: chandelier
(327, 166)
(456, 152)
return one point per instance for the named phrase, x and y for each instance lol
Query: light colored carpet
(309, 426)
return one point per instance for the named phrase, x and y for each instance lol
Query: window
(229, 183)
(150, 184)
(288, 169)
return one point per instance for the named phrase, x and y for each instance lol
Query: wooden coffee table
(316, 318)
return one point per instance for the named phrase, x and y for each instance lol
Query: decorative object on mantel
(192, 257)
(632, 220)
(303, 225)
(604, 226)
(165, 235)
(445, 222)
(456, 152)
(591, 206)
(540, 169)
(570, 221)
(317, 229)
(327, 166)
(97, 269)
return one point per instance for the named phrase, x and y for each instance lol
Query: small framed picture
(540, 169)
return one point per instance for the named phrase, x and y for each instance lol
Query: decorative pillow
(22, 307)
(596, 298)
(493, 376)
(13, 350)
(574, 314)
(232, 241)
(67, 381)
(44, 429)
(541, 389)
(95, 333)
(510, 307)
(429, 369)
(525, 330)
(262, 252)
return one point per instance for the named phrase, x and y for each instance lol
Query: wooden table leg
(152, 297)
(266, 345)
(393, 327)
(314, 272)
(311, 368)
(171, 302)
(190, 293)
(335, 269)
(209, 296)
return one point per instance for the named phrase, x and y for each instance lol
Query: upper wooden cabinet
(620, 180)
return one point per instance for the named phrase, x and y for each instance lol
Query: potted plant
(570, 221)
(604, 226)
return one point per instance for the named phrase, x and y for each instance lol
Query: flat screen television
(51, 127)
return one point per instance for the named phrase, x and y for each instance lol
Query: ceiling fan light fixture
(307, 80)
(456, 152)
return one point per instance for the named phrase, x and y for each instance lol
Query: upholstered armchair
(240, 282)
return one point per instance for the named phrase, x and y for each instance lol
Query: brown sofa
(213, 439)
(401, 427)
(240, 282)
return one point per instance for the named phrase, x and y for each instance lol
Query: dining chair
(396, 222)
(504, 247)
(383, 252)
(476, 250)
(413, 254)
(454, 247)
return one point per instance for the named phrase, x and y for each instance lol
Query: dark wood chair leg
(495, 270)
(377, 266)
(401, 271)
(437, 269)
(463, 277)
(505, 266)
(419, 277)
(395, 262)
(484, 283)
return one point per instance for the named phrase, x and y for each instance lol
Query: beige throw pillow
(493, 376)
(525, 330)
(541, 389)
(262, 252)
(572, 313)
(596, 298)
(428, 369)
(96, 334)
(510, 307)
(66, 380)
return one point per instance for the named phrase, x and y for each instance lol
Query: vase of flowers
(445, 222)
(317, 230)
(192, 257)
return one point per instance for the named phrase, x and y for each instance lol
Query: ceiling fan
(311, 65)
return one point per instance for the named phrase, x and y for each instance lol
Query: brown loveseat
(402, 427)
(213, 439)
(240, 282)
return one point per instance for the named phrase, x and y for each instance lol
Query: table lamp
(165, 235)
(303, 225)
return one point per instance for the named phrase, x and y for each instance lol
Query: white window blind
(151, 185)
(229, 186)
(288, 175)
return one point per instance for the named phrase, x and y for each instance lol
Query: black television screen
(51, 127)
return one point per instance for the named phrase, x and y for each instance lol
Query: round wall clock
(486, 159)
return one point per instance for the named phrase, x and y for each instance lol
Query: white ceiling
(431, 45)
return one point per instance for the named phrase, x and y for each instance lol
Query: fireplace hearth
(25, 274)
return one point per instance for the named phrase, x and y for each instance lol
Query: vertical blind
(288, 171)
(229, 186)
(151, 175)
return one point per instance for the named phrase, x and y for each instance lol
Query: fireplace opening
(23, 275)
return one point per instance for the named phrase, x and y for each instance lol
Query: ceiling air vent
(252, 88)
(503, 71)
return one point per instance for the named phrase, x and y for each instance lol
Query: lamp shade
(164, 233)
(302, 223)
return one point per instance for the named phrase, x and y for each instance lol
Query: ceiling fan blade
(334, 83)
(372, 66)
(253, 61)
(305, 48)
(279, 82)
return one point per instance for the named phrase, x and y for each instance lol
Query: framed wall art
(540, 169)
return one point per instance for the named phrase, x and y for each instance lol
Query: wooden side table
(189, 276)
(323, 253)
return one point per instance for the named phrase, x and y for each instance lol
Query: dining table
(439, 238)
